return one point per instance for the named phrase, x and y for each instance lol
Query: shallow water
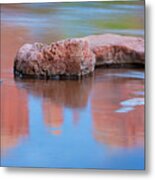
(97, 122)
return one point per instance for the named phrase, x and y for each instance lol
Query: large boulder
(70, 58)
(112, 49)
(74, 58)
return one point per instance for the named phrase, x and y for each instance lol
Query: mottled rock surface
(111, 49)
(70, 58)
(74, 58)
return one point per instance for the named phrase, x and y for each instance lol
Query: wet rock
(74, 58)
(112, 49)
(71, 58)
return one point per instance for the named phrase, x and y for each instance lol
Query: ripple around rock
(74, 58)
(129, 74)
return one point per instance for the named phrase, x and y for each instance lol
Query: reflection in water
(14, 103)
(108, 94)
(97, 122)
(104, 94)
(128, 105)
(14, 116)
(69, 93)
(56, 95)
(110, 127)
(53, 116)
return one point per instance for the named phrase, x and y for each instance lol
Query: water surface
(97, 122)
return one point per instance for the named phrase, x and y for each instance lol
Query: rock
(112, 49)
(74, 58)
(71, 58)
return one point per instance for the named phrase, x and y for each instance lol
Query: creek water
(96, 122)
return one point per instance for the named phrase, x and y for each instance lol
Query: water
(97, 122)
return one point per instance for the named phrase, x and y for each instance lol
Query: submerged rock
(74, 58)
(71, 58)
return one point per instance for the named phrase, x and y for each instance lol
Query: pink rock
(77, 57)
(111, 49)
(68, 58)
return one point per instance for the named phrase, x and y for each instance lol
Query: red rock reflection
(116, 129)
(56, 95)
(14, 110)
(53, 116)
(76, 116)
(14, 116)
